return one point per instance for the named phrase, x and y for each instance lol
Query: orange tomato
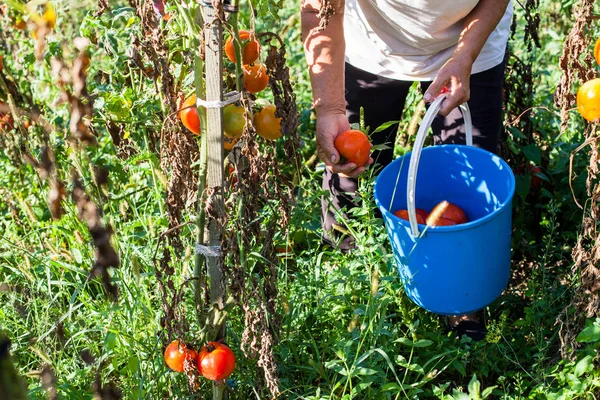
(445, 209)
(267, 124)
(354, 146)
(176, 354)
(404, 215)
(216, 361)
(255, 77)
(20, 25)
(597, 51)
(588, 100)
(442, 222)
(228, 143)
(189, 115)
(249, 44)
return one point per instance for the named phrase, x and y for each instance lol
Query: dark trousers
(383, 100)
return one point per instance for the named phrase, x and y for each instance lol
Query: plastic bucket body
(451, 270)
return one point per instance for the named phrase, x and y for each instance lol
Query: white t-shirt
(412, 39)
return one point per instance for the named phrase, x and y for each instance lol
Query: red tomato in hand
(354, 146)
(267, 124)
(447, 210)
(255, 77)
(233, 121)
(249, 44)
(176, 354)
(189, 115)
(216, 361)
(404, 215)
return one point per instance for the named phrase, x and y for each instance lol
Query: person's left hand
(455, 76)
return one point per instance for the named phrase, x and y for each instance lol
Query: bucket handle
(431, 113)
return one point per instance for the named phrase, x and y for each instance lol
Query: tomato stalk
(239, 74)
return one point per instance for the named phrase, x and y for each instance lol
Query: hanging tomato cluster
(215, 361)
(255, 80)
(588, 95)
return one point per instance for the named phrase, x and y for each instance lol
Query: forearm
(324, 51)
(478, 26)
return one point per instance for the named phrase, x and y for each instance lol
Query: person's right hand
(328, 128)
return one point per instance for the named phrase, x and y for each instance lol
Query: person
(370, 53)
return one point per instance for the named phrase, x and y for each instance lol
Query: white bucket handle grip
(418, 147)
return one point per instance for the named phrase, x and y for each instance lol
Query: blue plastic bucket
(449, 270)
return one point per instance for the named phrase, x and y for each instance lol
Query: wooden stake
(213, 34)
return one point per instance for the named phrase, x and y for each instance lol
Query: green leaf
(385, 126)
(584, 365)
(474, 387)
(589, 334)
(423, 343)
(532, 152)
(459, 367)
(488, 391)
(363, 371)
(77, 255)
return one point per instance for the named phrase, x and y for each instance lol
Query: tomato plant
(233, 121)
(216, 361)
(250, 47)
(445, 209)
(354, 146)
(267, 124)
(255, 77)
(189, 115)
(176, 354)
(588, 99)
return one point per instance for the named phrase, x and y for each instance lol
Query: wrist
(328, 109)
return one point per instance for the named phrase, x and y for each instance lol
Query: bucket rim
(453, 228)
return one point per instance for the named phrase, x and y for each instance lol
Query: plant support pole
(213, 33)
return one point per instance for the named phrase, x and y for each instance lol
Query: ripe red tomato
(442, 222)
(404, 215)
(249, 44)
(216, 361)
(445, 209)
(284, 251)
(536, 181)
(233, 121)
(533, 172)
(176, 354)
(189, 116)
(354, 146)
(255, 77)
(588, 99)
(267, 124)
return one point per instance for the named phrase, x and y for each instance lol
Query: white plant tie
(230, 98)
(208, 251)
